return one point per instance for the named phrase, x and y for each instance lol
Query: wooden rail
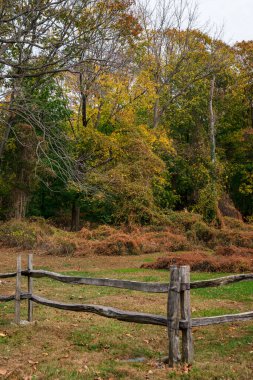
(23, 296)
(125, 284)
(221, 281)
(8, 275)
(178, 308)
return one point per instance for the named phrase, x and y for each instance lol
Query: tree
(46, 37)
(244, 56)
(41, 40)
(35, 149)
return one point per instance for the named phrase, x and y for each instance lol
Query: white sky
(236, 17)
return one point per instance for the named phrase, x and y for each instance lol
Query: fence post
(18, 291)
(173, 315)
(187, 341)
(30, 287)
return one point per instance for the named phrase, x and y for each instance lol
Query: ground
(68, 345)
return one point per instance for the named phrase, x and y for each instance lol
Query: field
(67, 345)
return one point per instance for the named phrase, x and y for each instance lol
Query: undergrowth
(184, 231)
(36, 235)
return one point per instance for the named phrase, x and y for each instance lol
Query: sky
(236, 17)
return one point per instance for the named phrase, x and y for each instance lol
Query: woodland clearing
(67, 345)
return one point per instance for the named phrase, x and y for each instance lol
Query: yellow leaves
(95, 144)
(147, 133)
(163, 143)
(11, 145)
(246, 187)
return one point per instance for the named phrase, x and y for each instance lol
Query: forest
(116, 113)
(126, 162)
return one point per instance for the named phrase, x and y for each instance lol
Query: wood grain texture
(196, 322)
(30, 288)
(135, 285)
(124, 284)
(105, 311)
(173, 315)
(18, 291)
(187, 339)
(221, 281)
(136, 317)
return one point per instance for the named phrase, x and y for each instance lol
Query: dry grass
(73, 346)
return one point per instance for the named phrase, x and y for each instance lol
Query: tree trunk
(83, 102)
(84, 110)
(5, 138)
(20, 201)
(8, 127)
(75, 217)
(219, 217)
(212, 122)
(156, 117)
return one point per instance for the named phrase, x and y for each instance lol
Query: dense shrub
(21, 234)
(234, 251)
(121, 244)
(59, 246)
(235, 224)
(203, 262)
(183, 220)
(237, 238)
(182, 235)
(130, 240)
(201, 232)
(36, 234)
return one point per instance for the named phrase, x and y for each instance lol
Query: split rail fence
(178, 306)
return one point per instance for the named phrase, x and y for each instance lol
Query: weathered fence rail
(125, 284)
(178, 306)
(8, 275)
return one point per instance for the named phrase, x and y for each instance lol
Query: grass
(242, 291)
(68, 345)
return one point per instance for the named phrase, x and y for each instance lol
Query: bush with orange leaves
(106, 240)
(205, 262)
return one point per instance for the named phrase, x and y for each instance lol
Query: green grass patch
(52, 371)
(212, 312)
(240, 292)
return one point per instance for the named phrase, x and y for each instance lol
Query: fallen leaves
(32, 362)
(66, 356)
(3, 371)
(179, 370)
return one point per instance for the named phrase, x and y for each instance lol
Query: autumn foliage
(111, 116)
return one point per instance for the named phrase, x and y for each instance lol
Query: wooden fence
(178, 306)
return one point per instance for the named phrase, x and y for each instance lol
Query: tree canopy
(111, 113)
